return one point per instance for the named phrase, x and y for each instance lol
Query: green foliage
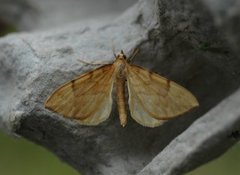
(21, 157)
(6, 28)
(226, 164)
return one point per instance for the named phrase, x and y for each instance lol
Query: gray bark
(183, 40)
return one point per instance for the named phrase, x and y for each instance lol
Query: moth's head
(120, 56)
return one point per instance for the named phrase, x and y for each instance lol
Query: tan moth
(152, 98)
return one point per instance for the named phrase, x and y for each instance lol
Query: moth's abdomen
(121, 101)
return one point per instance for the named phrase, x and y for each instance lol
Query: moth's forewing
(153, 99)
(87, 98)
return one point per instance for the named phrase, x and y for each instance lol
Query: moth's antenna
(113, 49)
(92, 64)
(134, 53)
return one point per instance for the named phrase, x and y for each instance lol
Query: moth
(152, 98)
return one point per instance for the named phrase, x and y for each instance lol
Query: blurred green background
(21, 157)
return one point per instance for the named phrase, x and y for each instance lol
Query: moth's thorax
(120, 65)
